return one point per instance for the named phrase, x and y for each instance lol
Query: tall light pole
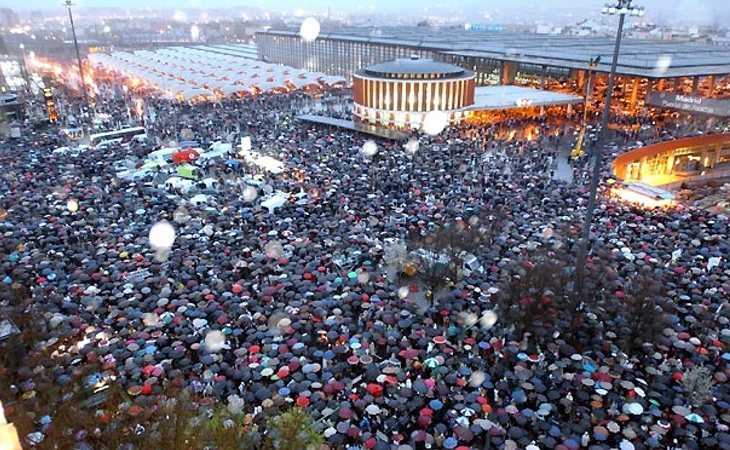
(622, 8)
(23, 68)
(78, 55)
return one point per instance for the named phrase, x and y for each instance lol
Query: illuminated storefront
(669, 162)
(399, 94)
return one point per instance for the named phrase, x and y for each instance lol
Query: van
(188, 171)
(470, 265)
(163, 153)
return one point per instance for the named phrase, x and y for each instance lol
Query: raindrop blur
(412, 146)
(309, 30)
(662, 64)
(72, 205)
(162, 254)
(477, 378)
(235, 404)
(274, 250)
(473, 220)
(363, 277)
(488, 319)
(369, 149)
(468, 318)
(214, 341)
(435, 122)
(283, 324)
(162, 235)
(151, 320)
(181, 215)
(278, 323)
(249, 194)
(179, 16)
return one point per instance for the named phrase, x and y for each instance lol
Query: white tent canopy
(193, 72)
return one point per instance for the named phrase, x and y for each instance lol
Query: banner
(711, 106)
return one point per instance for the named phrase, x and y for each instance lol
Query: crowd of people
(257, 309)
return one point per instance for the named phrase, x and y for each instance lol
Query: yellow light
(642, 200)
(9, 439)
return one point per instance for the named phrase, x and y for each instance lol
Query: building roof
(509, 97)
(409, 67)
(644, 58)
(204, 71)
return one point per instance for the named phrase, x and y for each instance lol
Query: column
(634, 93)
(507, 72)
(580, 79)
(710, 85)
(695, 85)
(678, 85)
(543, 74)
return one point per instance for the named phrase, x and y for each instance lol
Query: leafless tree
(697, 383)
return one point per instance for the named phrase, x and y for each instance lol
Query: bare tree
(641, 313)
(531, 298)
(697, 383)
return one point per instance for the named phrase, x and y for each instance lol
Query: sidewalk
(563, 169)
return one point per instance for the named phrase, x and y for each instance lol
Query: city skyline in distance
(706, 12)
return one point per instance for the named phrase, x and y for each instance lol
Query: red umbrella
(185, 156)
(375, 390)
(424, 421)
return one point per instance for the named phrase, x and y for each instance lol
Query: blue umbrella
(450, 442)
(435, 404)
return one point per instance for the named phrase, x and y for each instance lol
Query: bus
(124, 135)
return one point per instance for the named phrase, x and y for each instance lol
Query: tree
(641, 313)
(395, 258)
(697, 383)
(531, 297)
(451, 243)
(291, 430)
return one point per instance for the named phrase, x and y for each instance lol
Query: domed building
(399, 94)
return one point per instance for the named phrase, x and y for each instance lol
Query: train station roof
(645, 58)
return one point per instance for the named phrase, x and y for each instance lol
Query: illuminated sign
(689, 103)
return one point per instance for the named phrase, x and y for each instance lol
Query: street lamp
(23, 68)
(622, 8)
(78, 55)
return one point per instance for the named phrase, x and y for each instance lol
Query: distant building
(590, 27)
(8, 18)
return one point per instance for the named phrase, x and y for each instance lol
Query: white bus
(119, 136)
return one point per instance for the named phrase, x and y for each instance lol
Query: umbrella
(435, 404)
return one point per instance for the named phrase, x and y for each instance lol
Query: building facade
(557, 63)
(399, 93)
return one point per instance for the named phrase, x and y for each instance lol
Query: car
(210, 183)
(274, 201)
(300, 198)
(200, 199)
(177, 183)
(135, 175)
(254, 181)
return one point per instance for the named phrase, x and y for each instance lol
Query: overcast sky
(706, 11)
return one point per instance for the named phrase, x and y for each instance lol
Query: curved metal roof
(408, 67)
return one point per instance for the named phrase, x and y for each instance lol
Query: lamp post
(622, 8)
(78, 55)
(23, 68)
